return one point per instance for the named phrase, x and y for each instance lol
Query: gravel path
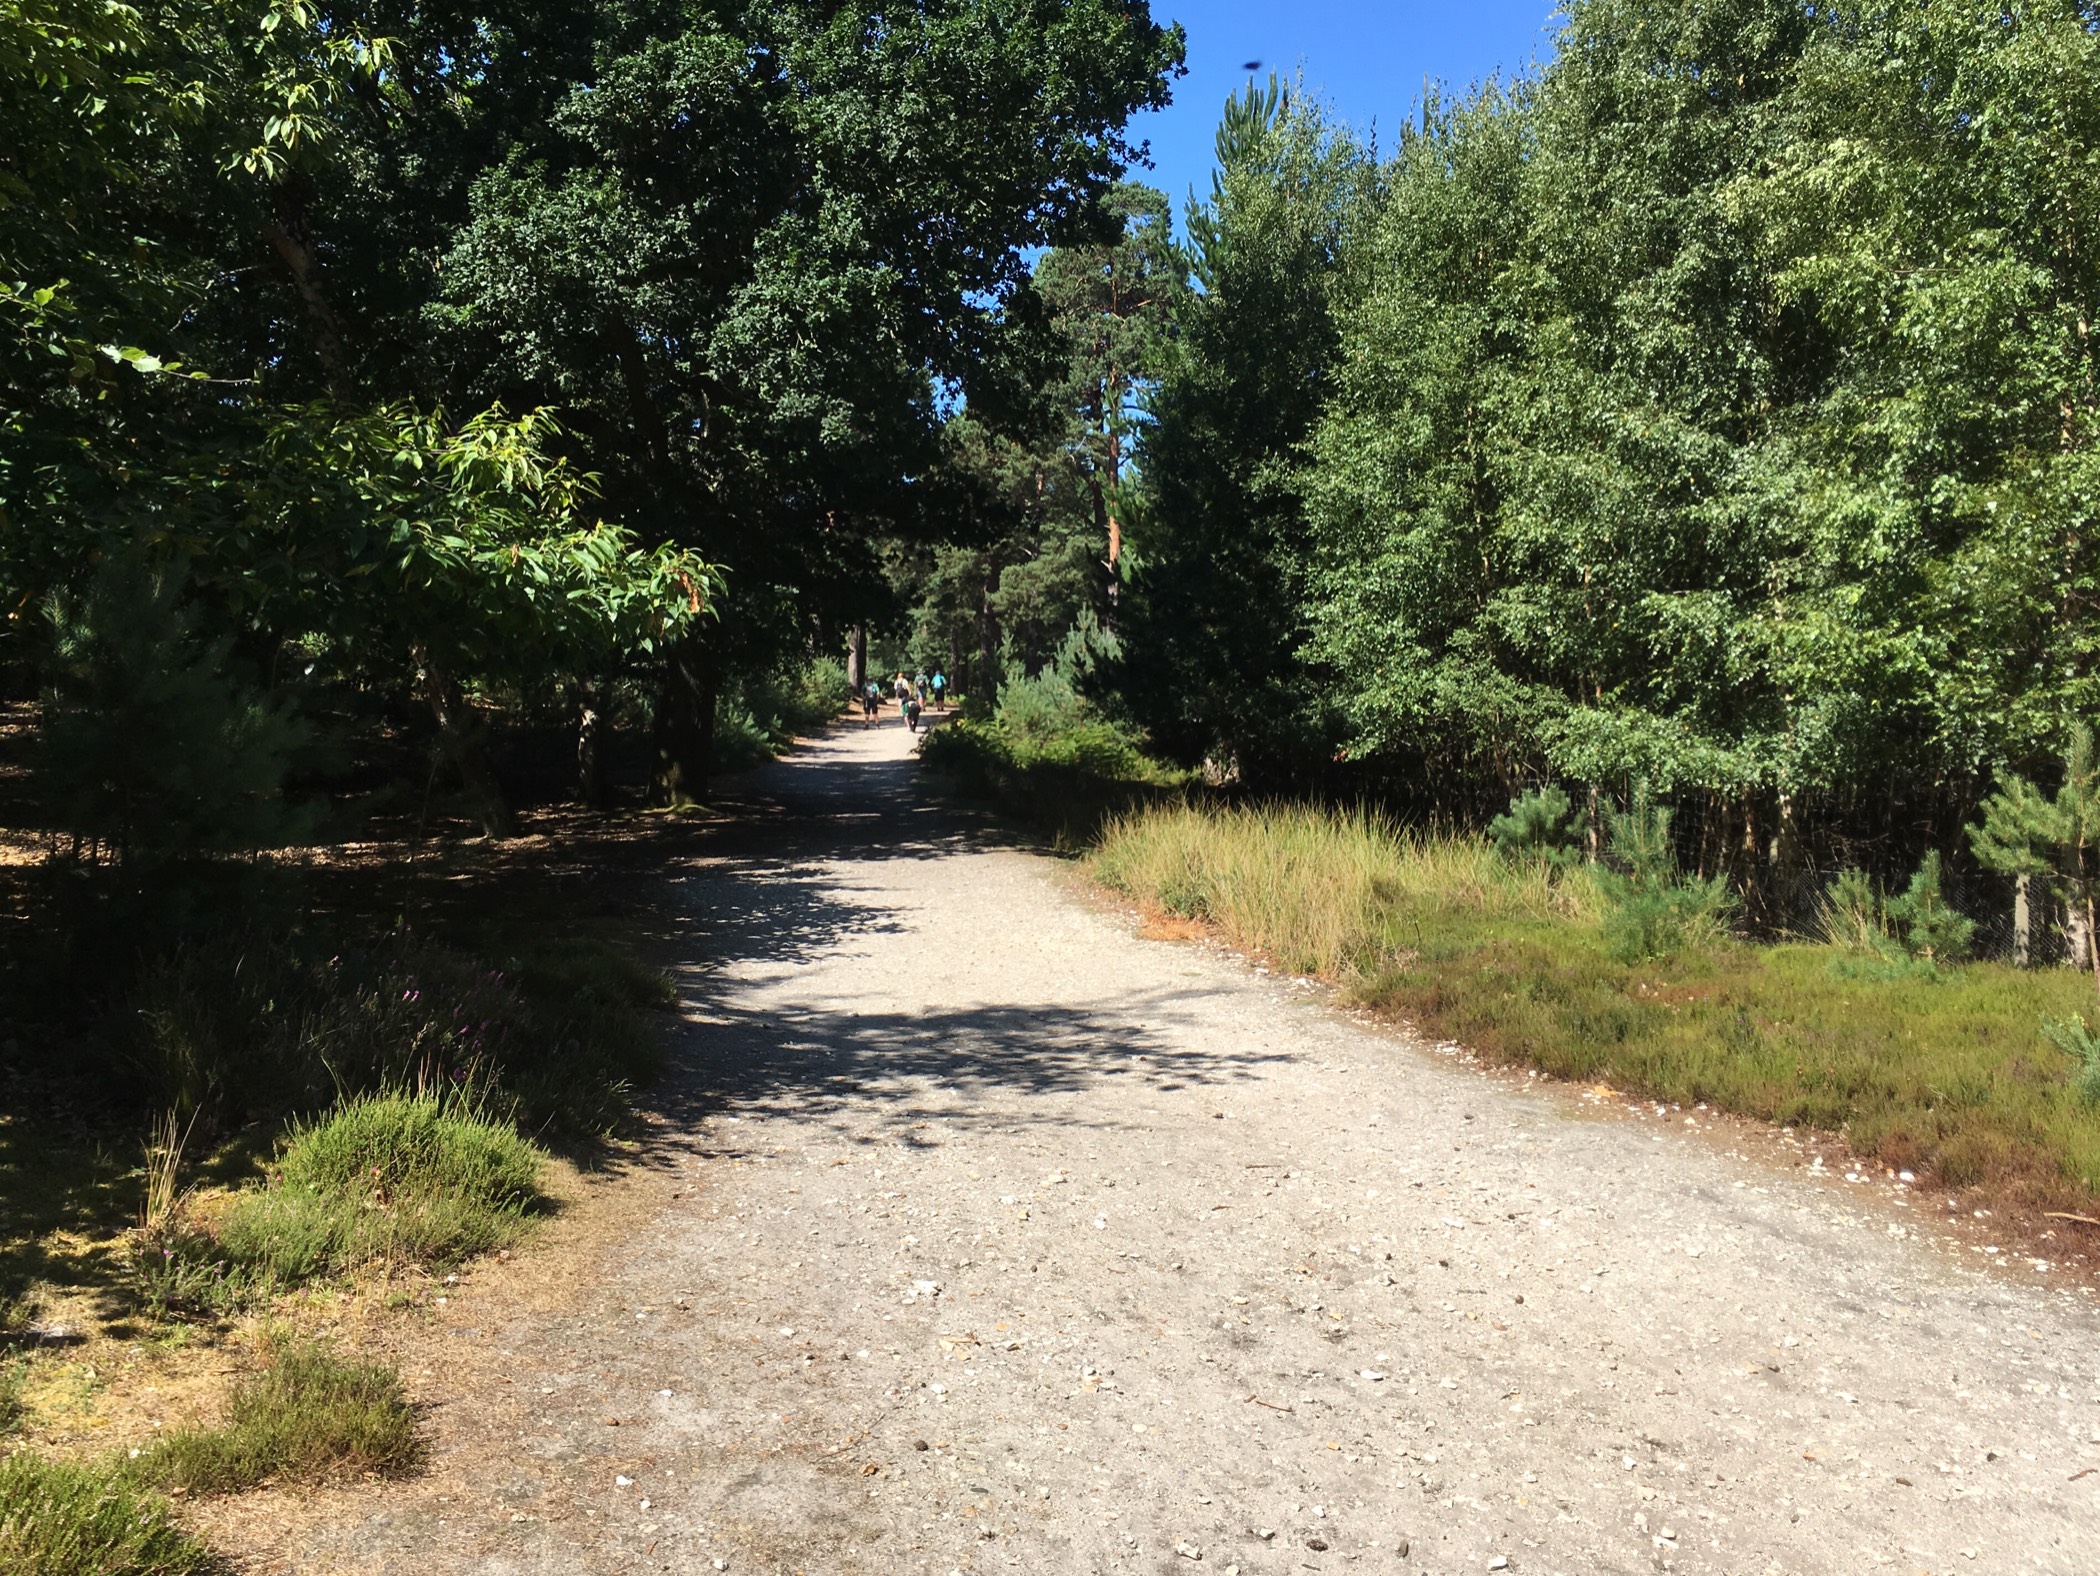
(1020, 1243)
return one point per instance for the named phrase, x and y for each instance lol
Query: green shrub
(762, 713)
(1920, 916)
(154, 750)
(1851, 914)
(419, 1178)
(1049, 758)
(2077, 1041)
(308, 1415)
(1651, 911)
(63, 1519)
(175, 1268)
(1539, 825)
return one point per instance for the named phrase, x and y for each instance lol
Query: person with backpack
(911, 712)
(940, 690)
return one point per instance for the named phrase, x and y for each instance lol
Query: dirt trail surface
(986, 1235)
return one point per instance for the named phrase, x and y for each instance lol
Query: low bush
(60, 1518)
(1651, 909)
(306, 1416)
(1540, 825)
(420, 1179)
(760, 715)
(1942, 1069)
(1046, 756)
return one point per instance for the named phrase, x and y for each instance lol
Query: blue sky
(1366, 58)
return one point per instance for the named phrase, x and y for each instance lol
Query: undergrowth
(60, 1518)
(237, 1027)
(1047, 757)
(762, 714)
(1920, 1065)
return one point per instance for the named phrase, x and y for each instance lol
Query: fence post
(2023, 922)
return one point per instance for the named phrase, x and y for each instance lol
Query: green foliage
(2072, 1037)
(1852, 914)
(1651, 911)
(1920, 917)
(307, 1416)
(762, 715)
(1703, 409)
(62, 1518)
(1540, 825)
(1050, 757)
(283, 302)
(2026, 833)
(1214, 622)
(151, 748)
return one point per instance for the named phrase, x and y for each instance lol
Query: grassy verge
(308, 1415)
(1928, 1069)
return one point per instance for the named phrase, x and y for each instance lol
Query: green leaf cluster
(1714, 407)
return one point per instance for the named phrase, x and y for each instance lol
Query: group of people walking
(913, 693)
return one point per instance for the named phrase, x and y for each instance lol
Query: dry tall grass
(1335, 893)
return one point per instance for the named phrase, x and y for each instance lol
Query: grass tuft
(64, 1519)
(418, 1178)
(307, 1416)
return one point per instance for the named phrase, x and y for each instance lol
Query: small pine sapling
(2026, 833)
(1540, 825)
(1922, 919)
(1651, 909)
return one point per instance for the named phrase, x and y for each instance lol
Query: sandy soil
(981, 1234)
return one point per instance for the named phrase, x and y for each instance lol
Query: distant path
(1151, 1252)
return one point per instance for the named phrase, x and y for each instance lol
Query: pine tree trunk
(463, 740)
(685, 726)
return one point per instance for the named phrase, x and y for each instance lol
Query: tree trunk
(1788, 860)
(1595, 835)
(289, 239)
(985, 689)
(685, 726)
(2023, 922)
(465, 743)
(2078, 947)
(857, 659)
(590, 771)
